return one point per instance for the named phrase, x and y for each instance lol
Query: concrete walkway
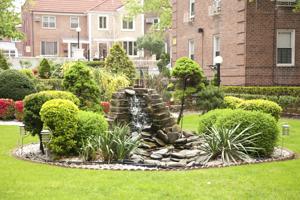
(10, 123)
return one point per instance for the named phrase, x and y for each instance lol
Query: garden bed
(32, 153)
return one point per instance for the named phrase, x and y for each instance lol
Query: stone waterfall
(163, 143)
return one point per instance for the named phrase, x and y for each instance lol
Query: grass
(25, 180)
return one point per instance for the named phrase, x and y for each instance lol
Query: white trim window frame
(103, 22)
(127, 23)
(131, 48)
(216, 47)
(192, 9)
(285, 48)
(191, 46)
(44, 49)
(72, 22)
(48, 22)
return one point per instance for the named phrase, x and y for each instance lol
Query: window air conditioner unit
(286, 3)
(37, 18)
(187, 18)
(214, 10)
(149, 20)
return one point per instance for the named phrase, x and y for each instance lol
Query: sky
(18, 4)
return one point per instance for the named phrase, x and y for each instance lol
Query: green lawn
(30, 181)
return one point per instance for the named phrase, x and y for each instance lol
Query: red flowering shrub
(7, 109)
(106, 106)
(19, 108)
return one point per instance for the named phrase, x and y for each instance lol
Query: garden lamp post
(218, 60)
(78, 30)
(46, 138)
(285, 132)
(22, 135)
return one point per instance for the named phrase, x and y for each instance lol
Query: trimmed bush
(15, 85)
(7, 109)
(209, 119)
(4, 65)
(28, 73)
(79, 80)
(44, 69)
(90, 125)
(19, 110)
(232, 102)
(61, 117)
(118, 62)
(260, 122)
(95, 64)
(33, 104)
(210, 98)
(269, 91)
(265, 106)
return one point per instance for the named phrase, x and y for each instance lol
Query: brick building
(259, 41)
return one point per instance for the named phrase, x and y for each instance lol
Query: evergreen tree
(44, 69)
(3, 62)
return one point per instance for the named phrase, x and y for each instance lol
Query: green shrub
(95, 64)
(232, 102)
(269, 91)
(44, 69)
(4, 65)
(209, 119)
(61, 117)
(33, 104)
(265, 106)
(229, 144)
(28, 73)
(90, 125)
(210, 98)
(79, 80)
(118, 62)
(15, 85)
(260, 122)
(51, 84)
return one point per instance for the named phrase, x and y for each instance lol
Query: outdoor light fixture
(23, 134)
(285, 132)
(46, 138)
(78, 30)
(218, 60)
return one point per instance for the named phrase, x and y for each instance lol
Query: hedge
(270, 91)
(232, 102)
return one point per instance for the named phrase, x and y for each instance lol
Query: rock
(178, 155)
(188, 133)
(148, 145)
(200, 160)
(134, 134)
(191, 164)
(152, 162)
(156, 156)
(191, 153)
(162, 151)
(175, 159)
(129, 91)
(159, 142)
(146, 134)
(172, 137)
(192, 139)
(184, 162)
(166, 159)
(181, 141)
(137, 158)
(176, 128)
(161, 135)
(174, 164)
(214, 163)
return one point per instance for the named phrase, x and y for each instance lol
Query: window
(216, 51)
(74, 21)
(155, 20)
(49, 22)
(191, 49)
(9, 53)
(128, 23)
(130, 47)
(192, 8)
(49, 48)
(103, 22)
(285, 47)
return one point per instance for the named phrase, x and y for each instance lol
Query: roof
(74, 6)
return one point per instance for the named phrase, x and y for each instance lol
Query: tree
(118, 62)
(190, 79)
(161, 8)
(44, 69)
(3, 62)
(9, 20)
(151, 43)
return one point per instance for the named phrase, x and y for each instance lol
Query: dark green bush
(61, 117)
(208, 120)
(95, 64)
(269, 91)
(33, 104)
(80, 81)
(260, 122)
(90, 124)
(15, 85)
(265, 106)
(44, 69)
(210, 98)
(4, 65)
(232, 102)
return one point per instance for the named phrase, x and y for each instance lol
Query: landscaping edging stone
(288, 155)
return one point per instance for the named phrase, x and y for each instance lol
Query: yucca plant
(228, 144)
(88, 151)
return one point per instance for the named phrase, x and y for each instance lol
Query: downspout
(32, 34)
(90, 35)
(274, 44)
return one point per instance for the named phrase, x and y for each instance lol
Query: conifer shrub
(44, 69)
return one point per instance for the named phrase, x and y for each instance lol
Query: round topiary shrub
(232, 102)
(260, 122)
(209, 119)
(265, 106)
(15, 85)
(90, 124)
(32, 107)
(61, 117)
